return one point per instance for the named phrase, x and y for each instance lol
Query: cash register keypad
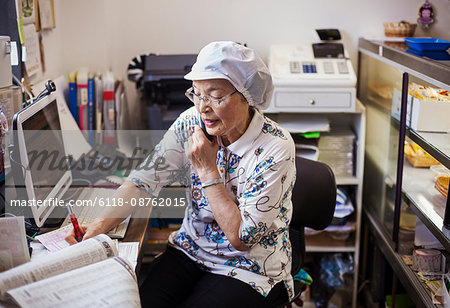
(309, 67)
(342, 67)
(295, 67)
(328, 67)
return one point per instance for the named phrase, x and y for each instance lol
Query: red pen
(76, 228)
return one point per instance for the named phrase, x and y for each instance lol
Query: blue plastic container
(427, 44)
(435, 55)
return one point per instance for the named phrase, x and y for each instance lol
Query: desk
(137, 232)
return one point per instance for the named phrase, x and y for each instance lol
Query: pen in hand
(76, 228)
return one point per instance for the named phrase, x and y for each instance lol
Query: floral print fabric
(259, 173)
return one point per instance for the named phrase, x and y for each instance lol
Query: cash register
(316, 77)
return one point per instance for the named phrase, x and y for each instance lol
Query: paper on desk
(129, 251)
(107, 283)
(13, 243)
(55, 240)
(39, 251)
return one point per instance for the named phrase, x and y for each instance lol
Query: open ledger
(87, 274)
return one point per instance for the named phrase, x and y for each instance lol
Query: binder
(108, 108)
(98, 109)
(98, 103)
(73, 100)
(118, 103)
(91, 111)
(82, 98)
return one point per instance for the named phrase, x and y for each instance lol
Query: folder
(82, 98)
(118, 92)
(73, 100)
(98, 109)
(108, 108)
(91, 111)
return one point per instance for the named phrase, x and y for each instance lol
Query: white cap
(239, 65)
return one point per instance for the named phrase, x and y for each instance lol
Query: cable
(49, 88)
(25, 169)
(24, 89)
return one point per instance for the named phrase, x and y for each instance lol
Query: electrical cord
(24, 89)
(49, 88)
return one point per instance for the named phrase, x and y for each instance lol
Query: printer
(164, 87)
(5, 62)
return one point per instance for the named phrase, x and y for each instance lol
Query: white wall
(107, 34)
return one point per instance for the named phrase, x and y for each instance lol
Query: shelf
(382, 69)
(330, 121)
(323, 242)
(436, 144)
(426, 201)
(430, 70)
(408, 278)
(347, 180)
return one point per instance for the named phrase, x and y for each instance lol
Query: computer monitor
(38, 158)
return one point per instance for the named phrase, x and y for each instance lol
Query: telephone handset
(202, 125)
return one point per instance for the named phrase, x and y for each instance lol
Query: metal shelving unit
(323, 243)
(385, 69)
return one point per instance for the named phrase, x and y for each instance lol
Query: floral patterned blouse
(259, 173)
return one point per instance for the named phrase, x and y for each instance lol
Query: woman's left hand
(203, 155)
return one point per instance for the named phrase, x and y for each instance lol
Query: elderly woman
(233, 248)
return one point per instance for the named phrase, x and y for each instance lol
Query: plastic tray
(429, 44)
(435, 55)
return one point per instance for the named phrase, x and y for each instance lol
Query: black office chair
(314, 200)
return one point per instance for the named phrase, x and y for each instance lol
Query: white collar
(245, 142)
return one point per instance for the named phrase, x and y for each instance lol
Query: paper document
(55, 240)
(129, 251)
(13, 243)
(87, 274)
(109, 283)
(33, 61)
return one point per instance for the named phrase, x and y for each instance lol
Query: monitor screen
(40, 156)
(45, 149)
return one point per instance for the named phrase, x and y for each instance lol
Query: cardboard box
(421, 115)
(429, 116)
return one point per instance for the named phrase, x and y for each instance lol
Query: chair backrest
(314, 201)
(314, 195)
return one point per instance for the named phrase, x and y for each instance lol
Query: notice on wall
(33, 54)
(26, 11)
(46, 14)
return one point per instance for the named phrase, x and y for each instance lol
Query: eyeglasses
(207, 99)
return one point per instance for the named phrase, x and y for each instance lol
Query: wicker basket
(399, 29)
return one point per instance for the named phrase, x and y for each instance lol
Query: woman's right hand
(96, 227)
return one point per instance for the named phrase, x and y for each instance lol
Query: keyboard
(86, 214)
